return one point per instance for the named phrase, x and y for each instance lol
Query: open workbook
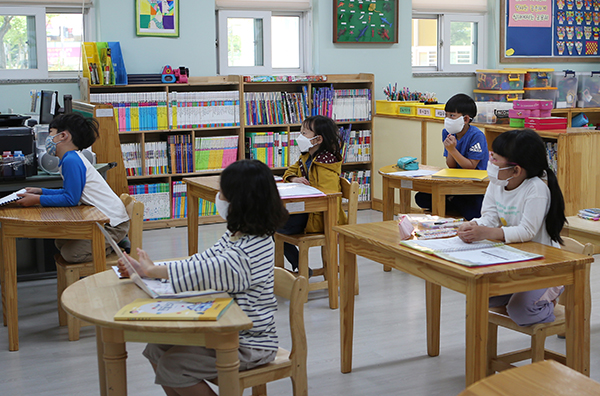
(11, 197)
(474, 254)
(193, 308)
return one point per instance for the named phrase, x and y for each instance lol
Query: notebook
(470, 174)
(474, 254)
(153, 287)
(195, 308)
(12, 197)
(296, 190)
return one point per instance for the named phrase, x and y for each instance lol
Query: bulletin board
(365, 21)
(549, 31)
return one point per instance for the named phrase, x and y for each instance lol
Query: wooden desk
(380, 242)
(77, 222)
(547, 378)
(585, 231)
(437, 187)
(97, 298)
(207, 187)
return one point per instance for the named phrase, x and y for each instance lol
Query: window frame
(40, 12)
(304, 36)
(443, 35)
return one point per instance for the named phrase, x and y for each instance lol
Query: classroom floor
(389, 344)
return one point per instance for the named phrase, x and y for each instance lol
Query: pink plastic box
(519, 113)
(533, 104)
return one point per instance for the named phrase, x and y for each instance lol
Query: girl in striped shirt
(241, 264)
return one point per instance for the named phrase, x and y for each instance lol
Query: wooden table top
(386, 170)
(386, 237)
(579, 224)
(547, 378)
(98, 297)
(51, 215)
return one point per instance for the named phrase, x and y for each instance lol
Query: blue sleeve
(73, 173)
(444, 136)
(477, 149)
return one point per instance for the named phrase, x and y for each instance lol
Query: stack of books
(204, 109)
(155, 160)
(137, 111)
(590, 214)
(132, 158)
(276, 108)
(215, 152)
(356, 145)
(342, 104)
(363, 177)
(179, 200)
(268, 147)
(180, 154)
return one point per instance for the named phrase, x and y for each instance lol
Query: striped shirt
(243, 267)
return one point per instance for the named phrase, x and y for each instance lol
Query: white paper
(12, 197)
(287, 190)
(414, 173)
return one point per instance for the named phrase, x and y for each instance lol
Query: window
(41, 41)
(447, 42)
(262, 42)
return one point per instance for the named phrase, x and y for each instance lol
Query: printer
(17, 147)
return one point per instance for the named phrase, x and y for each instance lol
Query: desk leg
(192, 220)
(98, 249)
(2, 287)
(438, 202)
(476, 330)
(433, 297)
(115, 359)
(228, 364)
(9, 290)
(330, 220)
(404, 200)
(101, 368)
(388, 199)
(578, 321)
(347, 279)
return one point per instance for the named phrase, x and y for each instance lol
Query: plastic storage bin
(546, 123)
(548, 93)
(492, 112)
(533, 104)
(566, 82)
(538, 78)
(588, 93)
(500, 80)
(396, 107)
(431, 111)
(497, 96)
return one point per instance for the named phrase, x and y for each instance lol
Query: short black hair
(255, 207)
(463, 104)
(83, 130)
(328, 129)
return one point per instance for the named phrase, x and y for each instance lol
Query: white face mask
(454, 126)
(304, 143)
(492, 171)
(222, 206)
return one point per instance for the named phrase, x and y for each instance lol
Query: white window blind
(46, 3)
(270, 5)
(446, 6)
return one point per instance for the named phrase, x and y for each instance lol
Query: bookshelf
(143, 141)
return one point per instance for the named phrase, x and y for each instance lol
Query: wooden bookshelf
(230, 83)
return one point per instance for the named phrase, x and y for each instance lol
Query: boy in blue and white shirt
(465, 147)
(82, 184)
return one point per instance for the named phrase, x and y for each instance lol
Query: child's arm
(73, 172)
(291, 172)
(455, 158)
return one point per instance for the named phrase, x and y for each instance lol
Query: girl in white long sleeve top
(522, 203)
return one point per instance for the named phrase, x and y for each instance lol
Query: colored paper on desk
(469, 174)
(297, 190)
(195, 308)
(474, 254)
(415, 173)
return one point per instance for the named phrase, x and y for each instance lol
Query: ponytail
(555, 219)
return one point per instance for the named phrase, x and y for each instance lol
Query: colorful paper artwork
(157, 18)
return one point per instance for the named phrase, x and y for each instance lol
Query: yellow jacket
(324, 174)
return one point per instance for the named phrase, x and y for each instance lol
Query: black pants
(295, 225)
(469, 206)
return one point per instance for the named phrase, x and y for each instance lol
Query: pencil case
(408, 163)
(405, 227)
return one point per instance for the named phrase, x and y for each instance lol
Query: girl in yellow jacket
(320, 165)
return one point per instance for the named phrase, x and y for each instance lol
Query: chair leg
(538, 341)
(279, 257)
(324, 260)
(60, 288)
(73, 324)
(259, 390)
(303, 261)
(492, 346)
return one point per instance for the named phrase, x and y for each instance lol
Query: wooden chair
(69, 273)
(541, 378)
(286, 364)
(306, 241)
(538, 332)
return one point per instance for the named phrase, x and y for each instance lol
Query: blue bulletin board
(544, 30)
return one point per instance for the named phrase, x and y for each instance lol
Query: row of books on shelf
(147, 111)
(342, 104)
(177, 156)
(155, 198)
(552, 154)
(356, 145)
(363, 177)
(272, 148)
(275, 108)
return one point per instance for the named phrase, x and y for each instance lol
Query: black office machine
(17, 146)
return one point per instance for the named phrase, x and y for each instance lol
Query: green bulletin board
(365, 21)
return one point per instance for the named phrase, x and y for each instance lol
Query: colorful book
(194, 308)
(454, 173)
(474, 254)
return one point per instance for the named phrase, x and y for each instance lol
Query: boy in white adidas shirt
(465, 147)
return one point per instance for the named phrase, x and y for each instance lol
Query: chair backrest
(574, 246)
(135, 211)
(294, 289)
(350, 192)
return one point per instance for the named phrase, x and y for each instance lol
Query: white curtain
(449, 6)
(270, 5)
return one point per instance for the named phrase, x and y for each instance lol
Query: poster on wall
(365, 21)
(157, 18)
(543, 30)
